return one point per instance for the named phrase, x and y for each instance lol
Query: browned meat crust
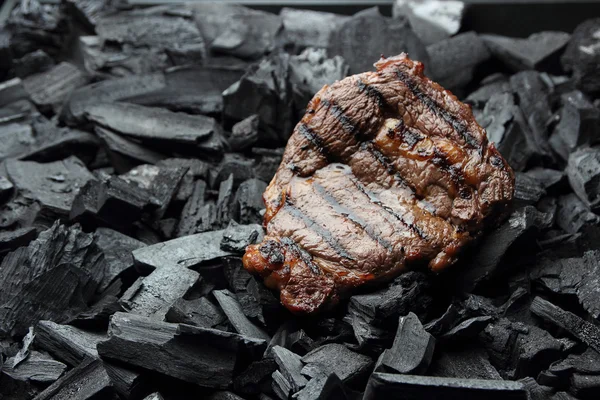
(386, 170)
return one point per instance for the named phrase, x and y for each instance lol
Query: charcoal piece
(67, 343)
(583, 171)
(256, 378)
(17, 139)
(105, 304)
(158, 126)
(64, 267)
(383, 385)
(310, 71)
(267, 165)
(290, 365)
(585, 386)
(453, 60)
(432, 20)
(237, 237)
(199, 312)
(579, 124)
(241, 167)
(89, 11)
(336, 358)
(198, 169)
(186, 252)
(128, 383)
(263, 90)
(584, 331)
(323, 387)
(411, 351)
(10, 240)
(21, 212)
(548, 179)
(244, 134)
(497, 85)
(444, 322)
(193, 89)
(187, 54)
(6, 188)
(192, 211)
(236, 30)
(49, 89)
(307, 28)
(573, 214)
(467, 329)
(37, 367)
(232, 308)
(107, 91)
(153, 295)
(281, 386)
(154, 396)
(117, 249)
(224, 202)
(527, 189)
(408, 292)
(164, 188)
(536, 351)
(290, 336)
(12, 91)
(365, 36)
(539, 51)
(472, 363)
(35, 62)
(248, 201)
(536, 391)
(368, 336)
(582, 54)
(126, 147)
(572, 276)
(88, 380)
(487, 260)
(202, 356)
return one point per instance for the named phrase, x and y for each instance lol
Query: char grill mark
(299, 252)
(313, 138)
(372, 93)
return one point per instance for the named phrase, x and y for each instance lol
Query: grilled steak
(386, 170)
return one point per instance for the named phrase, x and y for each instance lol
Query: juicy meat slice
(385, 171)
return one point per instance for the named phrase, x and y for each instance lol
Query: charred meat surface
(386, 170)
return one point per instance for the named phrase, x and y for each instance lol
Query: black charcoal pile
(136, 143)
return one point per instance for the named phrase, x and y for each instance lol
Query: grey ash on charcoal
(136, 144)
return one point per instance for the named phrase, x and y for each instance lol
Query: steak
(386, 171)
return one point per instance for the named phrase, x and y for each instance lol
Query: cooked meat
(386, 170)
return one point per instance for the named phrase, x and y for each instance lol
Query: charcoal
(580, 329)
(307, 28)
(64, 268)
(467, 329)
(487, 261)
(37, 367)
(153, 295)
(573, 214)
(537, 350)
(369, 337)
(432, 20)
(579, 124)
(237, 237)
(280, 386)
(527, 190)
(572, 276)
(17, 139)
(244, 134)
(6, 188)
(107, 91)
(10, 240)
(336, 358)
(366, 36)
(585, 386)
(323, 387)
(126, 147)
(232, 308)
(88, 380)
(310, 71)
(224, 202)
(232, 164)
(12, 91)
(113, 202)
(255, 378)
(158, 126)
(453, 60)
(198, 169)
(268, 164)
(193, 89)
(383, 385)
(67, 343)
(186, 252)
(411, 351)
(128, 383)
(21, 212)
(290, 336)
(536, 391)
(154, 396)
(539, 51)
(191, 213)
(202, 356)
(199, 312)
(164, 188)
(263, 90)
(89, 11)
(497, 85)
(49, 89)
(444, 322)
(548, 179)
(290, 366)
(117, 250)
(581, 56)
(499, 338)
(472, 363)
(236, 30)
(583, 171)
(33, 63)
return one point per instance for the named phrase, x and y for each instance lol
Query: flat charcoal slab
(67, 343)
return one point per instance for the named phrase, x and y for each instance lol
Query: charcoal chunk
(202, 356)
(467, 329)
(6, 188)
(494, 84)
(37, 367)
(432, 20)
(308, 28)
(290, 365)
(465, 363)
(281, 386)
(199, 312)
(411, 351)
(256, 378)
(582, 54)
(89, 12)
(573, 214)
(584, 331)
(323, 387)
(453, 60)
(548, 179)
(35, 62)
(10, 240)
(153, 295)
(117, 250)
(244, 134)
(583, 171)
(236, 237)
(248, 201)
(67, 343)
(535, 390)
(164, 188)
(12, 91)
(539, 51)
(64, 267)
(527, 189)
(126, 147)
(383, 385)
(232, 308)
(336, 358)
(191, 215)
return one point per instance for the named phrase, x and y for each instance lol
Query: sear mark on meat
(386, 170)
